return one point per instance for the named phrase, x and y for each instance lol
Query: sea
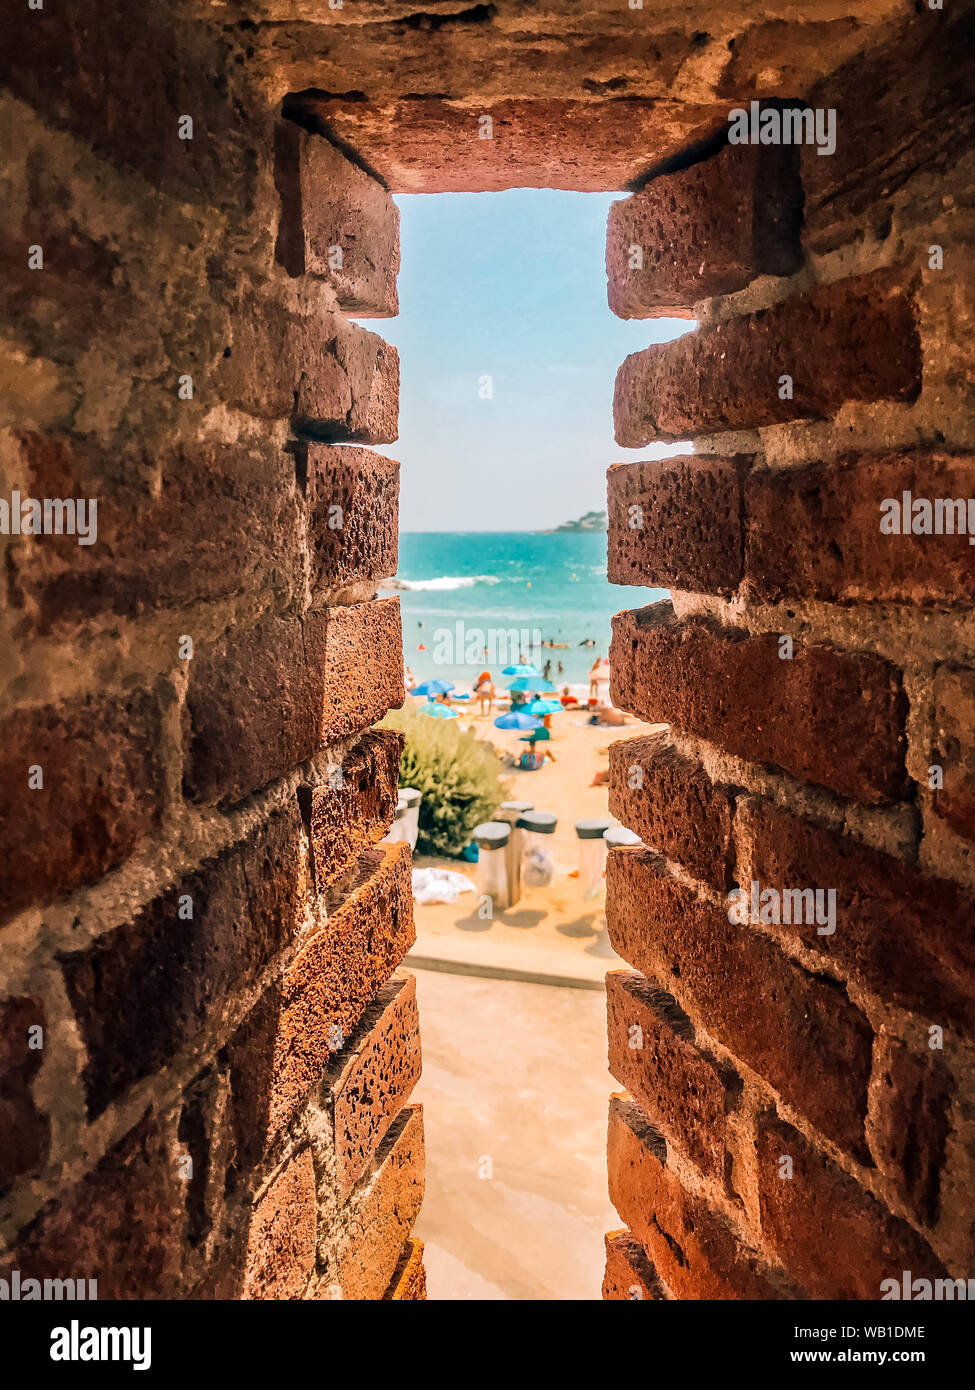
(462, 591)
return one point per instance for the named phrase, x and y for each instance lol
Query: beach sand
(550, 931)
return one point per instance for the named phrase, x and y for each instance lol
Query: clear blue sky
(510, 285)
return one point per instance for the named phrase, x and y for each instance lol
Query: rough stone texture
(855, 340)
(911, 1127)
(693, 1249)
(266, 698)
(677, 523)
(355, 808)
(836, 1238)
(815, 531)
(823, 715)
(281, 1240)
(352, 499)
(245, 907)
(629, 1274)
(338, 972)
(373, 1077)
(102, 793)
(765, 1008)
(954, 720)
(678, 1086)
(704, 231)
(672, 804)
(329, 205)
(904, 934)
(409, 1282)
(384, 1214)
(24, 1129)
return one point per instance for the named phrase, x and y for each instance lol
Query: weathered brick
(706, 230)
(145, 990)
(24, 1131)
(826, 716)
(672, 804)
(355, 808)
(854, 340)
(911, 1097)
(954, 719)
(122, 1224)
(166, 546)
(384, 1214)
(334, 380)
(677, 523)
(265, 699)
(835, 1239)
(329, 204)
(815, 531)
(372, 1078)
(692, 1247)
(281, 1239)
(904, 934)
(629, 1274)
(338, 972)
(409, 1281)
(652, 1052)
(103, 793)
(765, 1008)
(353, 514)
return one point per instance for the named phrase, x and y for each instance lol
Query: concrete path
(515, 1092)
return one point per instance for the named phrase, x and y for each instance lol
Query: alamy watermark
(908, 515)
(789, 907)
(50, 516)
(494, 646)
(20, 1288)
(789, 125)
(914, 1290)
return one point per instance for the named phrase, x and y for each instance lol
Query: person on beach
(598, 675)
(547, 670)
(485, 692)
(568, 700)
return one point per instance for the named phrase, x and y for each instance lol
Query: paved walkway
(515, 1092)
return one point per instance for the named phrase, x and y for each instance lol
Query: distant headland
(591, 521)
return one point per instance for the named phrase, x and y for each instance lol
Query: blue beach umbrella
(433, 688)
(531, 683)
(517, 721)
(520, 671)
(540, 707)
(438, 711)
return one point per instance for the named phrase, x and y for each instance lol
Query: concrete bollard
(492, 840)
(509, 812)
(537, 859)
(592, 854)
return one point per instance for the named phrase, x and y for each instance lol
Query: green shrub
(457, 773)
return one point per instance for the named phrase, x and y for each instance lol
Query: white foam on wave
(446, 581)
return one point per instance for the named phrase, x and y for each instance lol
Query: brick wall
(207, 1046)
(795, 1121)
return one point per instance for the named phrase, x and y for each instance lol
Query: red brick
(954, 719)
(629, 1274)
(353, 514)
(103, 793)
(281, 1239)
(178, 544)
(354, 808)
(706, 230)
(372, 1078)
(835, 1239)
(409, 1282)
(144, 991)
(855, 340)
(675, 808)
(384, 1213)
(814, 532)
(339, 972)
(333, 379)
(764, 1008)
(265, 699)
(24, 1131)
(903, 934)
(328, 202)
(826, 716)
(122, 1224)
(679, 1086)
(912, 1095)
(677, 523)
(691, 1246)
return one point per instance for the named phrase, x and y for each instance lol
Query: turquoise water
(506, 588)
